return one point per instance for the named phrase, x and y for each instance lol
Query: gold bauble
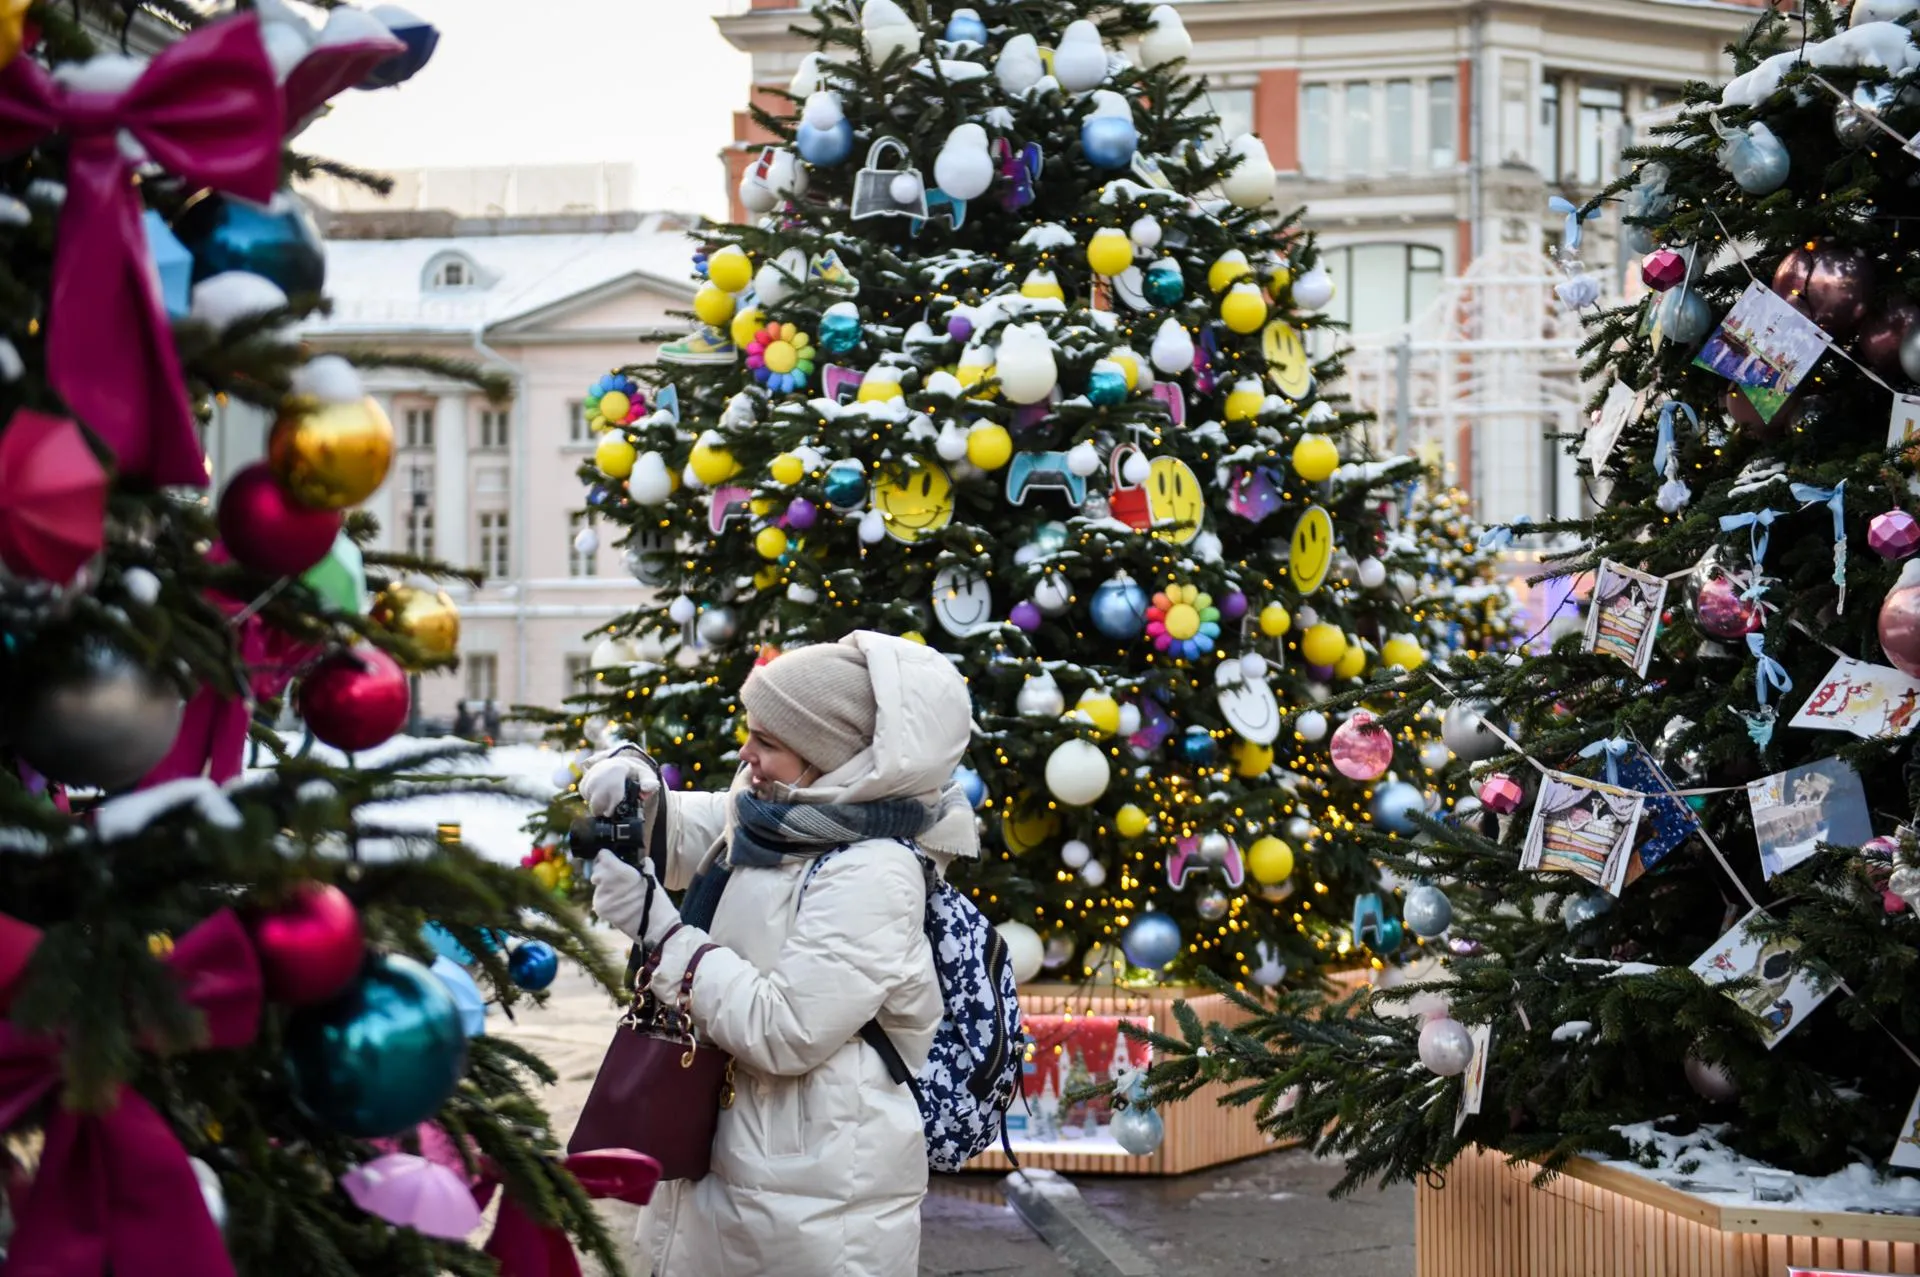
(426, 618)
(331, 456)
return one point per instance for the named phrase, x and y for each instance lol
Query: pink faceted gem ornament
(1663, 269)
(1361, 748)
(1502, 793)
(1894, 535)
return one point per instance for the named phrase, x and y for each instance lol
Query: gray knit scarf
(766, 833)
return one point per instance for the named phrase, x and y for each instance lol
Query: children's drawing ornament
(781, 358)
(1183, 622)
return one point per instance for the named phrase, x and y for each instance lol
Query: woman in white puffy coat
(820, 1165)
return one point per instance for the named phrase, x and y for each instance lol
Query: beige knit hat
(816, 700)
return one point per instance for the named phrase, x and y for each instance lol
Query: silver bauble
(1711, 1081)
(649, 557)
(1040, 697)
(1681, 764)
(1434, 755)
(1910, 354)
(1445, 1046)
(1059, 949)
(1214, 848)
(1138, 1129)
(718, 625)
(211, 1192)
(1466, 734)
(1684, 317)
(98, 718)
(1851, 126)
(1581, 911)
(1212, 905)
(1427, 911)
(1300, 831)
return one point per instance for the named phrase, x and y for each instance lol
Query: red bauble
(1878, 345)
(311, 947)
(1662, 269)
(269, 532)
(354, 700)
(1900, 621)
(1829, 285)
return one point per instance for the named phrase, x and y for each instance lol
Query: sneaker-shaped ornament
(704, 345)
(827, 268)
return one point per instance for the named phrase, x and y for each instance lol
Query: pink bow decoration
(53, 497)
(207, 109)
(525, 1247)
(114, 1190)
(348, 47)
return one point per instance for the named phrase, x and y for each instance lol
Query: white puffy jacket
(820, 1165)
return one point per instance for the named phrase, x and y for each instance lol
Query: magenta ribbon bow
(525, 1247)
(207, 109)
(114, 1191)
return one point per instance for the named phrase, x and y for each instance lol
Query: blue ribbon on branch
(1501, 538)
(1663, 446)
(1757, 523)
(1570, 236)
(1769, 674)
(1835, 499)
(1614, 748)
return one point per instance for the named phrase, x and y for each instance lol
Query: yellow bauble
(614, 407)
(787, 469)
(1245, 402)
(1270, 861)
(615, 456)
(1251, 759)
(746, 323)
(730, 269)
(1041, 285)
(1315, 457)
(1130, 821)
(989, 446)
(915, 636)
(1100, 709)
(1280, 278)
(1228, 268)
(712, 465)
(1026, 831)
(1275, 620)
(713, 305)
(770, 542)
(1323, 644)
(880, 389)
(426, 617)
(331, 456)
(1110, 251)
(766, 578)
(1243, 309)
(1352, 662)
(1403, 651)
(1128, 363)
(547, 874)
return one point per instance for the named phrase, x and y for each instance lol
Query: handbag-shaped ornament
(659, 1090)
(1127, 502)
(889, 192)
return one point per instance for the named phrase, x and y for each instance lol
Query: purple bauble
(1829, 285)
(1234, 606)
(1026, 615)
(1463, 947)
(1722, 613)
(1878, 344)
(1893, 535)
(1320, 673)
(269, 532)
(670, 775)
(1900, 621)
(959, 327)
(800, 514)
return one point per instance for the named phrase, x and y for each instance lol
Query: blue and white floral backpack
(973, 1072)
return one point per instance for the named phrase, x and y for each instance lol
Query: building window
(1601, 113)
(1360, 128)
(493, 427)
(1399, 126)
(1443, 124)
(416, 427)
(575, 669)
(483, 676)
(1378, 287)
(1316, 129)
(452, 274)
(579, 563)
(1546, 142)
(420, 531)
(1232, 110)
(578, 431)
(493, 544)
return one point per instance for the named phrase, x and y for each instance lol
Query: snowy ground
(1701, 1165)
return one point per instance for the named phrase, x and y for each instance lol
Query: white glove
(604, 786)
(621, 894)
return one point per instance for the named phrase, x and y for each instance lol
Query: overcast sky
(559, 81)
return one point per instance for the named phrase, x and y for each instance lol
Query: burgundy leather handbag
(659, 1090)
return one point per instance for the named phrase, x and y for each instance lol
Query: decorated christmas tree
(1681, 914)
(1459, 594)
(228, 1044)
(1012, 361)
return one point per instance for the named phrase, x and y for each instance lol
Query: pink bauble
(354, 700)
(1662, 269)
(269, 532)
(1502, 793)
(1721, 611)
(1361, 748)
(311, 947)
(1878, 343)
(1900, 621)
(1893, 535)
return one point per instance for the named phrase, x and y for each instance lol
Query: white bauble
(1040, 697)
(1372, 573)
(1214, 848)
(650, 483)
(1129, 719)
(1019, 67)
(1028, 372)
(1053, 593)
(1026, 952)
(1074, 854)
(1083, 459)
(1095, 874)
(951, 445)
(810, 78)
(1077, 772)
(1435, 755)
(610, 652)
(1145, 233)
(1172, 351)
(1311, 726)
(682, 610)
(1136, 469)
(1080, 63)
(1445, 1046)
(1313, 289)
(778, 277)
(1168, 41)
(1250, 185)
(886, 30)
(964, 169)
(873, 527)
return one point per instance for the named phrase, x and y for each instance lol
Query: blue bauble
(1395, 804)
(1138, 1129)
(965, 27)
(278, 242)
(971, 785)
(382, 1057)
(1758, 163)
(1120, 609)
(1106, 388)
(533, 964)
(1197, 745)
(1684, 317)
(1109, 141)
(1391, 936)
(839, 333)
(845, 485)
(420, 37)
(1165, 284)
(466, 995)
(1427, 911)
(171, 262)
(824, 148)
(1152, 940)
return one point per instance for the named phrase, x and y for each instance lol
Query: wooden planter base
(1488, 1220)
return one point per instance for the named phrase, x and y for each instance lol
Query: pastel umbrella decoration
(467, 998)
(413, 1192)
(341, 577)
(53, 498)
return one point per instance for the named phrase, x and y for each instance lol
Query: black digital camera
(627, 833)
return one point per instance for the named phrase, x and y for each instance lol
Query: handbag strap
(693, 966)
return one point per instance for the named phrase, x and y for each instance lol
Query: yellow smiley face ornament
(1174, 500)
(915, 497)
(1287, 363)
(1312, 549)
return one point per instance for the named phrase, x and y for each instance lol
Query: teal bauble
(277, 241)
(381, 1058)
(1165, 285)
(845, 485)
(1106, 386)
